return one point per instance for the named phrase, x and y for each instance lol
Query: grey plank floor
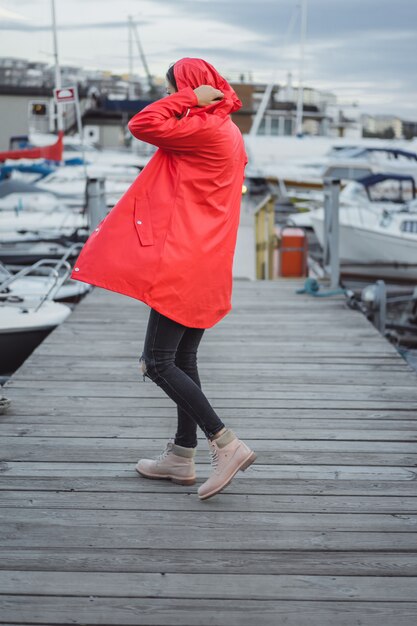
(319, 531)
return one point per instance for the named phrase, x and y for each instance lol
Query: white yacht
(374, 233)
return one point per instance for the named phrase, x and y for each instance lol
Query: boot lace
(165, 453)
(214, 457)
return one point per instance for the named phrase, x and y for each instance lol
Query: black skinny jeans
(169, 358)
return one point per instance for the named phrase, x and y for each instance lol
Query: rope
(312, 287)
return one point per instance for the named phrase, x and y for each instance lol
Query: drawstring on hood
(193, 72)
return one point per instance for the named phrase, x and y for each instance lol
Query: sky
(364, 51)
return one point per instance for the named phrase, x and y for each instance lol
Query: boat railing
(53, 269)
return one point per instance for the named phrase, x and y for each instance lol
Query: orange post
(292, 252)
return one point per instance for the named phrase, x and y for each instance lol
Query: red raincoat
(170, 240)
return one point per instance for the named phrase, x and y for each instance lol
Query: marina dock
(320, 531)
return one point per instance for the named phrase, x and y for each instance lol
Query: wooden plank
(130, 428)
(275, 446)
(112, 374)
(257, 471)
(145, 536)
(205, 612)
(73, 411)
(339, 453)
(128, 483)
(261, 520)
(272, 562)
(96, 405)
(256, 391)
(227, 586)
(243, 502)
(292, 364)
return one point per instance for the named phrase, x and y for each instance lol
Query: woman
(170, 242)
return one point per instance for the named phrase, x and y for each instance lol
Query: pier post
(96, 205)
(265, 237)
(380, 306)
(331, 261)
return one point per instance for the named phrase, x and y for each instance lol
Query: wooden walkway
(319, 531)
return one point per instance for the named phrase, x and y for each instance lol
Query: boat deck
(319, 531)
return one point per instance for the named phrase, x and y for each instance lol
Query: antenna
(143, 57)
(59, 117)
(300, 99)
(131, 91)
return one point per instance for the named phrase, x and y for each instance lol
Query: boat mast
(300, 99)
(131, 91)
(59, 116)
(270, 86)
(143, 57)
(261, 109)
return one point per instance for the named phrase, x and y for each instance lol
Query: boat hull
(16, 347)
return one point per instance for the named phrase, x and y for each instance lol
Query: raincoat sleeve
(157, 123)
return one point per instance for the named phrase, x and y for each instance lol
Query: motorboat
(18, 195)
(375, 241)
(29, 251)
(383, 191)
(74, 149)
(41, 223)
(300, 178)
(26, 320)
(23, 327)
(368, 236)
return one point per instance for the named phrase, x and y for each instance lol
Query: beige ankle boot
(175, 463)
(228, 455)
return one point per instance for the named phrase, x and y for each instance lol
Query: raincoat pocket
(143, 224)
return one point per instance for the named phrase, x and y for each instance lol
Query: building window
(274, 126)
(288, 127)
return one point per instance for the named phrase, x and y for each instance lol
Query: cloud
(10, 15)
(360, 49)
(29, 27)
(270, 17)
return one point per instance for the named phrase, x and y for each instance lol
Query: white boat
(93, 155)
(381, 191)
(33, 250)
(42, 223)
(25, 320)
(16, 195)
(301, 178)
(23, 327)
(370, 234)
(28, 214)
(68, 182)
(35, 286)
(267, 152)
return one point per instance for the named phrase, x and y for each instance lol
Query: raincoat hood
(193, 72)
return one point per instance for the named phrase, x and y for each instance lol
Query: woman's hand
(207, 94)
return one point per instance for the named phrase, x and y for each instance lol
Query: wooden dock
(319, 531)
